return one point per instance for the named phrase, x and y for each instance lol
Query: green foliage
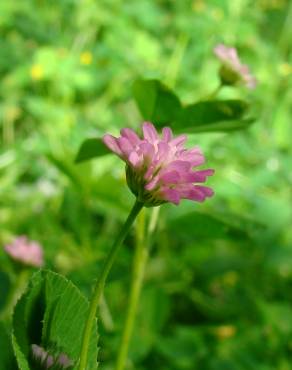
(51, 314)
(5, 286)
(217, 290)
(216, 115)
(156, 102)
(91, 148)
(159, 104)
(193, 225)
(7, 358)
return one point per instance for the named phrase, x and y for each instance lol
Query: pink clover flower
(161, 169)
(233, 70)
(26, 252)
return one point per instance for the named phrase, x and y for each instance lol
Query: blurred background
(218, 284)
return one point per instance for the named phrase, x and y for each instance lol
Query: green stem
(99, 287)
(284, 39)
(105, 315)
(139, 264)
(176, 60)
(214, 93)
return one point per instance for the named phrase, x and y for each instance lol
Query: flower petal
(178, 141)
(134, 159)
(125, 146)
(111, 142)
(131, 136)
(194, 156)
(149, 132)
(208, 192)
(201, 176)
(179, 166)
(152, 184)
(147, 150)
(166, 134)
(172, 177)
(171, 195)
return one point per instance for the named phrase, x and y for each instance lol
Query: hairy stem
(99, 287)
(139, 264)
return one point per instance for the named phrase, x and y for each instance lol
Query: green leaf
(5, 286)
(7, 360)
(214, 111)
(51, 314)
(91, 148)
(156, 102)
(225, 126)
(194, 225)
(178, 347)
(217, 115)
(20, 357)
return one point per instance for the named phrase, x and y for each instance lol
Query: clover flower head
(160, 169)
(64, 361)
(48, 361)
(27, 252)
(42, 356)
(232, 70)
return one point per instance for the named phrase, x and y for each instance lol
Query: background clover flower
(232, 70)
(26, 252)
(47, 361)
(158, 169)
(42, 356)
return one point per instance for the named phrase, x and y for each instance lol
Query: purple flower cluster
(27, 252)
(233, 70)
(47, 360)
(161, 170)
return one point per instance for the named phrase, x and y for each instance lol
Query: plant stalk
(139, 264)
(99, 287)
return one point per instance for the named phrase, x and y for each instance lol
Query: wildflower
(42, 356)
(36, 72)
(27, 252)
(232, 70)
(225, 331)
(48, 361)
(64, 361)
(160, 170)
(285, 69)
(86, 58)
